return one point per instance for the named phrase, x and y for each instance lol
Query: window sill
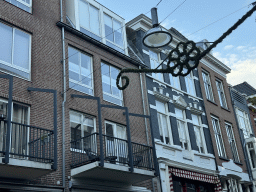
(224, 158)
(238, 163)
(212, 102)
(225, 109)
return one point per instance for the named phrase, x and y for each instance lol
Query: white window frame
(183, 120)
(102, 10)
(223, 101)
(251, 146)
(82, 117)
(160, 124)
(29, 5)
(110, 95)
(28, 123)
(248, 128)
(207, 85)
(12, 57)
(153, 64)
(218, 137)
(124, 144)
(232, 142)
(80, 71)
(201, 131)
(95, 5)
(172, 80)
(190, 89)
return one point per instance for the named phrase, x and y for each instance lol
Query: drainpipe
(64, 97)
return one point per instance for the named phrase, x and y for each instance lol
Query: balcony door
(116, 142)
(19, 129)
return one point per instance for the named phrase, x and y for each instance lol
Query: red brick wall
(46, 72)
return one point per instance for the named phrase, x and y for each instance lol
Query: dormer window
(98, 22)
(89, 18)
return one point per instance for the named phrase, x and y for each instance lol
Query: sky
(237, 51)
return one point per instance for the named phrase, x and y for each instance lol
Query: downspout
(64, 98)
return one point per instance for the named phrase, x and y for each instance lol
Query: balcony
(86, 159)
(28, 153)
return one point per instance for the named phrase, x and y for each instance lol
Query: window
(218, 137)
(82, 127)
(116, 142)
(190, 83)
(113, 31)
(154, 62)
(182, 127)
(243, 121)
(232, 142)
(80, 71)
(98, 22)
(174, 81)
(251, 152)
(200, 140)
(89, 19)
(233, 185)
(163, 122)
(207, 86)
(221, 94)
(110, 91)
(19, 133)
(15, 46)
(23, 4)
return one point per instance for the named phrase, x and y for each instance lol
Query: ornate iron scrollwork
(184, 58)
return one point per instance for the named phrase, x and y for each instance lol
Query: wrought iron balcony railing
(27, 142)
(115, 150)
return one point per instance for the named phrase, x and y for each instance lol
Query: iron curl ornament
(184, 58)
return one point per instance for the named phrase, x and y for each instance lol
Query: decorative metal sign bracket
(184, 58)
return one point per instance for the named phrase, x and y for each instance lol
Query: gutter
(64, 98)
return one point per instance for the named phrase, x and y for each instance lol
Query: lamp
(157, 36)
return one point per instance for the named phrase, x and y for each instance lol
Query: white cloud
(167, 23)
(227, 47)
(241, 47)
(243, 71)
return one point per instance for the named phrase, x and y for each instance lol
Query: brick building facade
(101, 136)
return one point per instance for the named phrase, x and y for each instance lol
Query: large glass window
(200, 140)
(182, 127)
(154, 62)
(15, 46)
(190, 83)
(89, 17)
(244, 123)
(174, 81)
(23, 4)
(110, 91)
(218, 137)
(80, 71)
(232, 142)
(221, 94)
(82, 126)
(207, 86)
(163, 124)
(113, 30)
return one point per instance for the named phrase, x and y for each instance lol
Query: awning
(194, 176)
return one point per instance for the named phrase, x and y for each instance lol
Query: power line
(218, 20)
(159, 3)
(173, 11)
